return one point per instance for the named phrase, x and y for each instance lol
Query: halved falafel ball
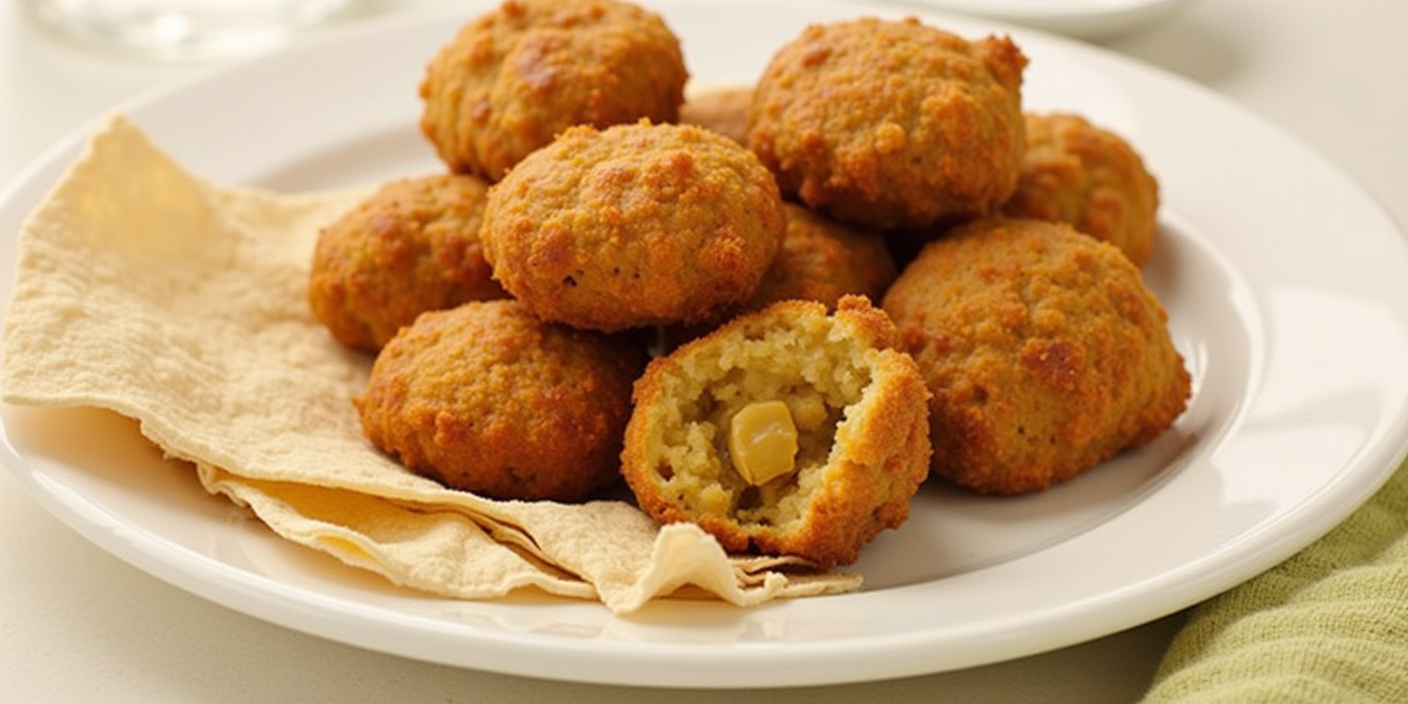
(786, 431)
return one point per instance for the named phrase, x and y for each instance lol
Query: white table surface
(77, 624)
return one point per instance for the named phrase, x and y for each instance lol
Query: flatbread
(181, 303)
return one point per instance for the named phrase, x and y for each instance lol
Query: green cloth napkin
(1328, 625)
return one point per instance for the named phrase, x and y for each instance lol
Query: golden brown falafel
(822, 260)
(891, 124)
(785, 432)
(1045, 352)
(488, 399)
(634, 225)
(514, 78)
(723, 110)
(410, 247)
(1077, 172)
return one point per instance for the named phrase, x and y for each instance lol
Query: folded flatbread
(182, 303)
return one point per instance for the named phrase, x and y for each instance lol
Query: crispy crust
(891, 124)
(1045, 353)
(1090, 177)
(488, 399)
(411, 247)
(860, 408)
(634, 225)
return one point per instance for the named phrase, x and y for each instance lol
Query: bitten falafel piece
(787, 431)
(1086, 175)
(1044, 351)
(635, 225)
(515, 77)
(488, 399)
(892, 124)
(410, 247)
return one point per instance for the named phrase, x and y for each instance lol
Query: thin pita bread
(182, 303)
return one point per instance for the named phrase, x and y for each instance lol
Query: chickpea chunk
(762, 442)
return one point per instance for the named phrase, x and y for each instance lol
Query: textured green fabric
(1328, 625)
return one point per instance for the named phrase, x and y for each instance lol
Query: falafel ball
(412, 246)
(892, 124)
(786, 431)
(1077, 172)
(1044, 351)
(488, 399)
(822, 260)
(634, 225)
(723, 110)
(515, 77)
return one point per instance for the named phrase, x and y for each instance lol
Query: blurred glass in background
(179, 30)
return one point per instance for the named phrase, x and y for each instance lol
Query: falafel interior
(855, 407)
(694, 461)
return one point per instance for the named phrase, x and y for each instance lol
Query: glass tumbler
(183, 29)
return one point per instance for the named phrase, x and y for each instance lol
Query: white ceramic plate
(1086, 19)
(1288, 295)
